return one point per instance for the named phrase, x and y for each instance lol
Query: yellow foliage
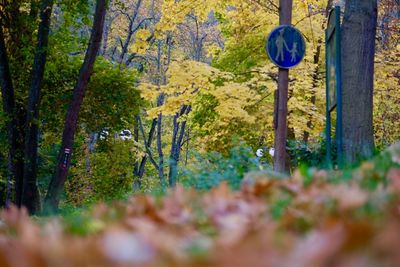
(141, 45)
(386, 97)
(188, 78)
(247, 99)
(148, 91)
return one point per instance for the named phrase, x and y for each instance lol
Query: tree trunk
(149, 142)
(8, 97)
(15, 123)
(105, 39)
(358, 50)
(157, 123)
(71, 121)
(160, 150)
(173, 162)
(160, 79)
(176, 144)
(176, 155)
(18, 161)
(91, 144)
(137, 182)
(108, 20)
(30, 194)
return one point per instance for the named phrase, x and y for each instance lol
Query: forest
(164, 133)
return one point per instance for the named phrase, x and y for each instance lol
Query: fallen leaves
(272, 221)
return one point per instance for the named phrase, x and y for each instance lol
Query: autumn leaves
(268, 222)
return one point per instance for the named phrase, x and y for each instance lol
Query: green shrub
(310, 154)
(103, 175)
(212, 168)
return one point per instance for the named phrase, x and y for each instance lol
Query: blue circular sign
(286, 46)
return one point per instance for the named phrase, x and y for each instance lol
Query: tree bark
(15, 125)
(108, 20)
(137, 182)
(15, 163)
(30, 194)
(160, 79)
(160, 150)
(358, 50)
(71, 121)
(176, 144)
(149, 142)
(91, 144)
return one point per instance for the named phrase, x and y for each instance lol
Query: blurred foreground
(315, 218)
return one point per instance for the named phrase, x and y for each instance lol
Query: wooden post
(285, 18)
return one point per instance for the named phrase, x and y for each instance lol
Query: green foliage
(308, 154)
(112, 171)
(212, 168)
(244, 47)
(151, 185)
(111, 100)
(47, 160)
(60, 77)
(307, 173)
(241, 58)
(81, 224)
(75, 16)
(375, 172)
(206, 111)
(103, 175)
(279, 206)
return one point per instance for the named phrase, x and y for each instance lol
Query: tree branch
(146, 145)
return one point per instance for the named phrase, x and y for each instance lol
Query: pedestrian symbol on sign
(285, 46)
(280, 42)
(294, 52)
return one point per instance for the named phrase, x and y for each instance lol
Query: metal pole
(339, 106)
(328, 112)
(285, 18)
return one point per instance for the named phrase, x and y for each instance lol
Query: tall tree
(30, 195)
(57, 183)
(17, 27)
(358, 50)
(8, 96)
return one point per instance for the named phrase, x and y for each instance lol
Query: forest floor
(314, 218)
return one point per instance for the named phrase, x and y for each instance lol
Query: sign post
(333, 85)
(285, 47)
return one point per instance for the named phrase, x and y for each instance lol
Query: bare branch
(146, 144)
